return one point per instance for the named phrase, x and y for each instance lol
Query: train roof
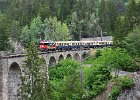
(107, 38)
(72, 41)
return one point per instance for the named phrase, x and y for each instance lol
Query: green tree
(121, 30)
(107, 14)
(15, 31)
(113, 58)
(25, 36)
(116, 58)
(49, 29)
(92, 26)
(56, 30)
(34, 80)
(132, 42)
(74, 25)
(67, 81)
(132, 13)
(35, 28)
(100, 73)
(96, 80)
(32, 31)
(102, 14)
(5, 25)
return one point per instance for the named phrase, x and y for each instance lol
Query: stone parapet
(4, 53)
(11, 66)
(1, 80)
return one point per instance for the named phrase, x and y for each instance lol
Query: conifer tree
(132, 13)
(34, 80)
(4, 32)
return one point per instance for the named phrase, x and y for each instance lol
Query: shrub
(96, 80)
(127, 83)
(120, 84)
(115, 92)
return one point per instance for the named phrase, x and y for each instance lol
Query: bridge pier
(11, 69)
(1, 81)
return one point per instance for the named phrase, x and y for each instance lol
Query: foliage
(133, 41)
(113, 58)
(5, 25)
(127, 83)
(96, 80)
(89, 60)
(115, 93)
(82, 16)
(122, 27)
(132, 46)
(64, 68)
(49, 29)
(120, 84)
(35, 85)
(66, 80)
(108, 13)
(126, 23)
(25, 36)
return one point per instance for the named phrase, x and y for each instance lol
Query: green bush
(119, 85)
(66, 80)
(115, 58)
(63, 68)
(96, 80)
(126, 82)
(115, 92)
(89, 60)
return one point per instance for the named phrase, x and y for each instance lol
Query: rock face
(134, 93)
(1, 78)
(18, 47)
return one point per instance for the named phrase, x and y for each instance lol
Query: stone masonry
(11, 67)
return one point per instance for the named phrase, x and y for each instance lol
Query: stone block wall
(1, 81)
(11, 66)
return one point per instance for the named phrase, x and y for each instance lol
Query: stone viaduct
(11, 67)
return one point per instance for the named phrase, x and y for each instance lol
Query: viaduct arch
(61, 57)
(13, 81)
(11, 67)
(52, 61)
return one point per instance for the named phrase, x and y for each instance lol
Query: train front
(47, 46)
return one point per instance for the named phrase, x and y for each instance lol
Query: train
(45, 46)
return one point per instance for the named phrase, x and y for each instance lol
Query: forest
(55, 19)
(29, 21)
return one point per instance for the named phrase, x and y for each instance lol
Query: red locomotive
(47, 45)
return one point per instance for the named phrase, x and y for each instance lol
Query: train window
(45, 43)
(50, 44)
(101, 42)
(41, 43)
(57, 44)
